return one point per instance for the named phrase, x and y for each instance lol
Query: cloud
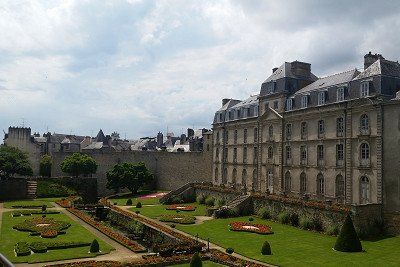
(138, 67)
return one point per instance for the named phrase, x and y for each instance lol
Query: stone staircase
(31, 189)
(241, 203)
(392, 222)
(176, 192)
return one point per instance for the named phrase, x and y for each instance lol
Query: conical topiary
(94, 247)
(266, 248)
(129, 202)
(196, 260)
(348, 241)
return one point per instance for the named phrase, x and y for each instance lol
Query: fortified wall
(171, 170)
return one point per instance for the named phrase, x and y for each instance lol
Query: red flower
(251, 227)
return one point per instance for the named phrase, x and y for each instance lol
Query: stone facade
(331, 139)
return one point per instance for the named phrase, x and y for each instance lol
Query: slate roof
(65, 138)
(328, 81)
(94, 145)
(285, 70)
(230, 103)
(381, 67)
(252, 100)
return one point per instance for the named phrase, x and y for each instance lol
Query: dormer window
(321, 98)
(304, 101)
(289, 104)
(238, 114)
(340, 94)
(231, 115)
(364, 89)
(220, 117)
(271, 88)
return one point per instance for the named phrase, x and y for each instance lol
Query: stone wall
(15, 188)
(171, 170)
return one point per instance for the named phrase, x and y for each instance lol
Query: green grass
(9, 237)
(37, 201)
(292, 246)
(121, 201)
(156, 211)
(205, 264)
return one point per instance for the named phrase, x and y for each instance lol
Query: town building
(334, 138)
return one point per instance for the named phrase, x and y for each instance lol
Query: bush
(318, 224)
(306, 223)
(201, 199)
(196, 260)
(266, 249)
(225, 213)
(229, 250)
(332, 230)
(53, 189)
(129, 202)
(264, 213)
(284, 217)
(251, 219)
(173, 225)
(348, 241)
(219, 202)
(22, 249)
(176, 200)
(38, 247)
(94, 247)
(210, 201)
(294, 219)
(139, 205)
(44, 207)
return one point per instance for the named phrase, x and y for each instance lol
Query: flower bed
(47, 226)
(67, 202)
(123, 240)
(154, 195)
(251, 227)
(177, 218)
(181, 207)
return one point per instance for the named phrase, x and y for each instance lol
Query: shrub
(53, 189)
(294, 219)
(317, 224)
(229, 250)
(332, 230)
(38, 247)
(266, 248)
(139, 205)
(44, 207)
(94, 247)
(219, 202)
(264, 213)
(137, 211)
(225, 213)
(129, 202)
(210, 201)
(306, 223)
(348, 241)
(201, 199)
(251, 219)
(22, 249)
(173, 225)
(196, 260)
(115, 203)
(284, 217)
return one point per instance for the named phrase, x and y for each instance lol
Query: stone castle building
(335, 138)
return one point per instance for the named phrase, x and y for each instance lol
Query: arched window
(339, 186)
(244, 177)
(364, 150)
(364, 190)
(270, 180)
(216, 175)
(234, 176)
(271, 132)
(303, 183)
(364, 124)
(320, 184)
(288, 182)
(225, 176)
(270, 152)
(255, 183)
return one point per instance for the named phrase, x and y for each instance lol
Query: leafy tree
(348, 241)
(13, 161)
(196, 260)
(45, 166)
(77, 164)
(129, 175)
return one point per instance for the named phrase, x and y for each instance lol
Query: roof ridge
(355, 69)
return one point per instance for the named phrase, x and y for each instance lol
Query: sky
(139, 67)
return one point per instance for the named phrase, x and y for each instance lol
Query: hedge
(30, 212)
(22, 249)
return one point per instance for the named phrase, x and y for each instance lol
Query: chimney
(301, 69)
(225, 100)
(190, 132)
(370, 58)
(274, 69)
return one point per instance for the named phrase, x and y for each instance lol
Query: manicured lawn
(121, 201)
(37, 201)
(158, 210)
(205, 264)
(292, 246)
(9, 237)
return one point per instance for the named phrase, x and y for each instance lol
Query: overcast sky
(138, 67)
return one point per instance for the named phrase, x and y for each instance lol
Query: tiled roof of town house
(328, 81)
(285, 70)
(381, 67)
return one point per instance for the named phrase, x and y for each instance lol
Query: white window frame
(321, 98)
(289, 104)
(304, 101)
(364, 89)
(340, 94)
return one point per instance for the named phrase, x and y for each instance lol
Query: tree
(77, 164)
(196, 260)
(348, 240)
(128, 175)
(13, 161)
(45, 166)
(266, 248)
(94, 246)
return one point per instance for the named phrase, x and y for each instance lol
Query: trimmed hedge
(38, 247)
(22, 249)
(30, 212)
(94, 247)
(129, 202)
(266, 249)
(348, 240)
